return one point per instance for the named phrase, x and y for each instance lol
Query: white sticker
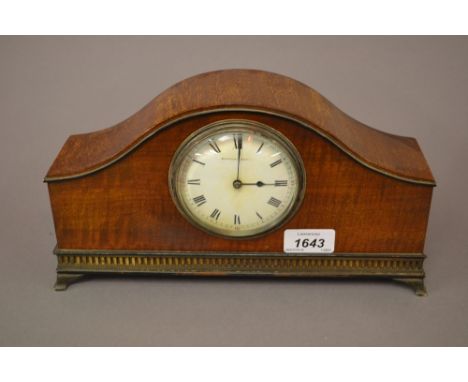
(309, 241)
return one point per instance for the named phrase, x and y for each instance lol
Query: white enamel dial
(237, 178)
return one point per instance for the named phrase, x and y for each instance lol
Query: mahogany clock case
(113, 210)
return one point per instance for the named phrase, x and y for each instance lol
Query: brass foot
(64, 280)
(416, 283)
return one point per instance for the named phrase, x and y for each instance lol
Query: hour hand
(277, 183)
(260, 184)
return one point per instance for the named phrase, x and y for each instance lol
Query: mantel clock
(241, 173)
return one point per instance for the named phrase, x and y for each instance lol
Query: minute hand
(239, 148)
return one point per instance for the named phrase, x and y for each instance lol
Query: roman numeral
(194, 181)
(214, 146)
(276, 163)
(215, 214)
(259, 216)
(258, 150)
(236, 219)
(198, 162)
(199, 200)
(281, 183)
(274, 202)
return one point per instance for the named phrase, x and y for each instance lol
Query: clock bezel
(215, 127)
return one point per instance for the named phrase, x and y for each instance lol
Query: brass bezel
(217, 126)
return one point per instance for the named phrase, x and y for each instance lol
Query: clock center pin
(237, 184)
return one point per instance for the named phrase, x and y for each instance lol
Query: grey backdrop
(51, 87)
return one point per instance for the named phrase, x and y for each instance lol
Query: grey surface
(53, 87)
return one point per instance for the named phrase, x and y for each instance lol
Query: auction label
(309, 241)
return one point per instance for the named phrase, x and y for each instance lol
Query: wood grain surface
(128, 204)
(251, 90)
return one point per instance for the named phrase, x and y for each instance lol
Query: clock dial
(237, 178)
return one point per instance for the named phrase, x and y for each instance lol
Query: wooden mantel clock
(241, 173)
